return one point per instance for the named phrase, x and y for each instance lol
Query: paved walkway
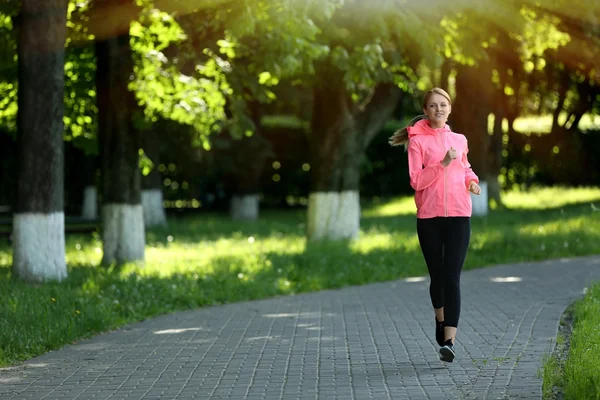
(369, 342)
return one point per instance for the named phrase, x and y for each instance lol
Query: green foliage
(162, 88)
(209, 259)
(261, 45)
(376, 42)
(279, 37)
(80, 108)
(551, 377)
(384, 170)
(515, 45)
(8, 71)
(81, 111)
(81, 122)
(471, 33)
(9, 7)
(576, 374)
(77, 28)
(146, 165)
(541, 32)
(463, 39)
(243, 49)
(315, 42)
(582, 367)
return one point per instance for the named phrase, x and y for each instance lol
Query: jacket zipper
(445, 191)
(445, 180)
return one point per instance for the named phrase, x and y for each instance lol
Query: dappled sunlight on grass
(543, 124)
(484, 239)
(91, 256)
(579, 225)
(5, 257)
(385, 241)
(544, 198)
(402, 206)
(245, 255)
(510, 236)
(214, 227)
(83, 250)
(535, 198)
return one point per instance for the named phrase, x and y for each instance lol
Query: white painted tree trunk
(245, 207)
(480, 202)
(123, 233)
(90, 203)
(154, 211)
(333, 215)
(39, 246)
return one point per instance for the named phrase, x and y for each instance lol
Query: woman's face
(437, 109)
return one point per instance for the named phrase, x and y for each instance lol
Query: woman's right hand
(450, 155)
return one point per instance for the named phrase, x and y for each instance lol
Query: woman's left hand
(474, 188)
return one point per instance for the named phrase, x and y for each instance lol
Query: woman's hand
(450, 155)
(474, 188)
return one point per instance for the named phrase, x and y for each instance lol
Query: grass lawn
(578, 375)
(208, 259)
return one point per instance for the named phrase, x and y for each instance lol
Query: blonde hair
(400, 137)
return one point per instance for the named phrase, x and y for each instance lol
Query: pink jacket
(439, 191)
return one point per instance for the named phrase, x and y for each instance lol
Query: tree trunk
(8, 166)
(334, 201)
(496, 144)
(89, 209)
(562, 90)
(340, 133)
(470, 117)
(38, 222)
(445, 75)
(249, 157)
(119, 143)
(245, 201)
(245, 207)
(152, 193)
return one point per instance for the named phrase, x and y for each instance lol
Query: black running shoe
(439, 332)
(447, 351)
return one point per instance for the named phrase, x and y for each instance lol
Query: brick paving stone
(368, 342)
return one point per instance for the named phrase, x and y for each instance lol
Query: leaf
(136, 30)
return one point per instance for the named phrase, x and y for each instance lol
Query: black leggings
(444, 242)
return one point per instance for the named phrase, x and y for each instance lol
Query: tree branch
(373, 115)
(112, 18)
(563, 88)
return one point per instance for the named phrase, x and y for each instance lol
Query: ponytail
(400, 137)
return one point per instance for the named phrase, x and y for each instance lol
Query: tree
(8, 66)
(108, 18)
(221, 44)
(169, 91)
(358, 84)
(562, 82)
(490, 59)
(476, 54)
(122, 215)
(357, 58)
(80, 112)
(340, 132)
(152, 184)
(137, 85)
(245, 160)
(38, 224)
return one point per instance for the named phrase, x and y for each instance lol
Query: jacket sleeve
(469, 174)
(421, 176)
